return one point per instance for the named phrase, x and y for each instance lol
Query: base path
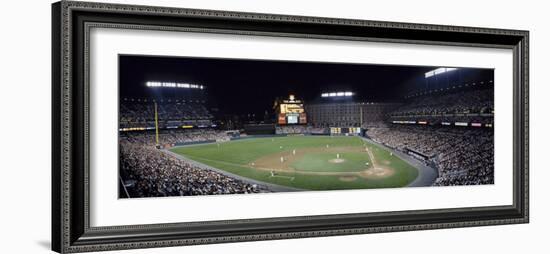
(426, 175)
(269, 186)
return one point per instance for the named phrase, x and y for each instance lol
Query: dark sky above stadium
(250, 86)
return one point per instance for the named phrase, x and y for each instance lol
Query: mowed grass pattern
(236, 156)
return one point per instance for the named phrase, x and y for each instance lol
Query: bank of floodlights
(173, 85)
(438, 71)
(337, 94)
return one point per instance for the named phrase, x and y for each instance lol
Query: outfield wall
(194, 142)
(244, 137)
(276, 136)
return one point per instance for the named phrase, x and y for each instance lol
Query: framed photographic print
(181, 126)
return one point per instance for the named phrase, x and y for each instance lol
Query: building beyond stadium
(349, 114)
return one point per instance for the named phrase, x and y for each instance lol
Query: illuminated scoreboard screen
(346, 131)
(290, 111)
(295, 108)
(292, 114)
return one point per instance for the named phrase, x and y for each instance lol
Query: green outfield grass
(313, 166)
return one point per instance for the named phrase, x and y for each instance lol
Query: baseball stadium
(206, 126)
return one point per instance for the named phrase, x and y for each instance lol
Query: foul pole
(360, 115)
(156, 125)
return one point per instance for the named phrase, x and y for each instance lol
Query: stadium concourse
(452, 133)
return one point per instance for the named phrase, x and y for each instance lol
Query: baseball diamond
(312, 166)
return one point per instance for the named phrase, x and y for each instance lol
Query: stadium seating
(149, 172)
(463, 156)
(141, 113)
(463, 102)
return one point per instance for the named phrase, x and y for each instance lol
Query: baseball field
(306, 162)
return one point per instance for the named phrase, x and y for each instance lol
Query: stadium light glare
(438, 71)
(173, 85)
(337, 94)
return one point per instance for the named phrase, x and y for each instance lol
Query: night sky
(250, 86)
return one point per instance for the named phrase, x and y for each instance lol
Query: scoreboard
(292, 118)
(345, 131)
(290, 111)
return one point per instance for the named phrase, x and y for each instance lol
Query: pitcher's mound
(336, 160)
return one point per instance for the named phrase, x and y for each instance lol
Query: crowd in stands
(448, 119)
(171, 137)
(464, 102)
(139, 113)
(149, 172)
(463, 156)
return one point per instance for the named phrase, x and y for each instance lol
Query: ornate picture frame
(71, 24)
